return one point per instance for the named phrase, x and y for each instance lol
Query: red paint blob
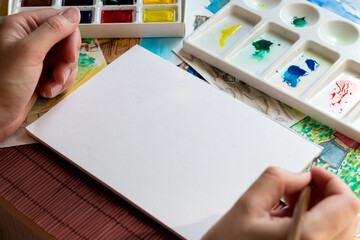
(117, 16)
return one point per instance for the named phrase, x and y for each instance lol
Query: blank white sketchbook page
(171, 144)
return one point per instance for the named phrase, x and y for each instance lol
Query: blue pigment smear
(312, 64)
(194, 72)
(338, 8)
(216, 5)
(293, 74)
(199, 20)
(333, 153)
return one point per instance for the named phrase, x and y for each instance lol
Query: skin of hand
(39, 54)
(332, 215)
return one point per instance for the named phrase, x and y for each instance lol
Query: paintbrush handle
(300, 209)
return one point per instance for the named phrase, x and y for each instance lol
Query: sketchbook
(175, 147)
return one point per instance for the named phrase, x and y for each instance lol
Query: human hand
(39, 52)
(332, 215)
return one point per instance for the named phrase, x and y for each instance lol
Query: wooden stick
(300, 209)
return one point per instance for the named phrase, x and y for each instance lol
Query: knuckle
(10, 20)
(55, 24)
(354, 203)
(312, 236)
(272, 172)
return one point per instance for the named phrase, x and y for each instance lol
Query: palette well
(118, 18)
(297, 52)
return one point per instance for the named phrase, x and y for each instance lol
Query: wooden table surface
(42, 196)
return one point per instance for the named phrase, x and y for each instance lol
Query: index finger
(272, 185)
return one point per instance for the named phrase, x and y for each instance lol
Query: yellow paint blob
(261, 5)
(159, 15)
(159, 2)
(227, 33)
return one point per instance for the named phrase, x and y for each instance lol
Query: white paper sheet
(171, 144)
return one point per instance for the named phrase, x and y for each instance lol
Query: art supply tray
(118, 18)
(295, 51)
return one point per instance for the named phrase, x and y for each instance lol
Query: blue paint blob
(312, 64)
(293, 74)
(333, 153)
(216, 5)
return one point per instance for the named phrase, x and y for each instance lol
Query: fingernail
(56, 89)
(44, 94)
(66, 76)
(71, 14)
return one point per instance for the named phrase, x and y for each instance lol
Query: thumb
(55, 29)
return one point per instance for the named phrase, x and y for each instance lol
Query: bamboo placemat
(65, 202)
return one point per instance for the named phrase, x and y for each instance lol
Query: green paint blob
(299, 22)
(262, 46)
(87, 40)
(85, 60)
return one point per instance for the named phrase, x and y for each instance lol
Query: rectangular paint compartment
(302, 68)
(78, 2)
(340, 93)
(159, 1)
(37, 3)
(262, 49)
(117, 15)
(224, 31)
(86, 16)
(118, 2)
(159, 15)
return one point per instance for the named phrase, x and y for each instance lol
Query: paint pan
(340, 92)
(300, 15)
(118, 18)
(295, 51)
(263, 4)
(262, 49)
(302, 68)
(86, 16)
(226, 30)
(37, 3)
(339, 33)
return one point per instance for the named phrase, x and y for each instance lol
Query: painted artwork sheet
(341, 154)
(91, 61)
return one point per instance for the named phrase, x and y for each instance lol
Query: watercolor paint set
(118, 18)
(295, 51)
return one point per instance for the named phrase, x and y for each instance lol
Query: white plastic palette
(299, 53)
(125, 18)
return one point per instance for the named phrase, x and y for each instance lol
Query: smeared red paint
(341, 95)
(117, 16)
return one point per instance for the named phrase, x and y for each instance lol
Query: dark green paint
(262, 46)
(85, 60)
(299, 22)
